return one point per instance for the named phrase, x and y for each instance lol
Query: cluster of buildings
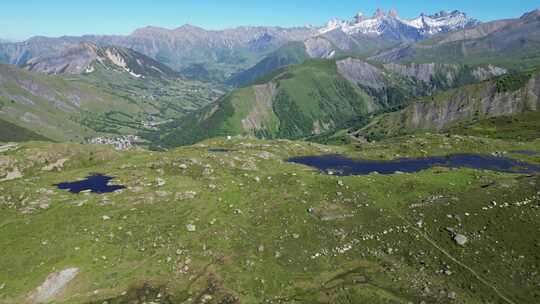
(123, 142)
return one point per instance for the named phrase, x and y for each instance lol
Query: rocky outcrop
(475, 102)
(53, 286)
(359, 72)
(393, 84)
(465, 106)
(448, 73)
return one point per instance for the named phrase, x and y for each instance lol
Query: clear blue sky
(24, 18)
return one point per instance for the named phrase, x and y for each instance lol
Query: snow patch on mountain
(381, 22)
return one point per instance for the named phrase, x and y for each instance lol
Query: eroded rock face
(53, 285)
(448, 73)
(486, 103)
(481, 101)
(361, 72)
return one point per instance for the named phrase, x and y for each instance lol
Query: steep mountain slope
(513, 43)
(83, 58)
(316, 96)
(508, 95)
(300, 99)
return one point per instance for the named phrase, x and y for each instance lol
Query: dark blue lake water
(97, 183)
(340, 165)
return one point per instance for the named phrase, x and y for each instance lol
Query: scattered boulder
(460, 239)
(58, 165)
(14, 174)
(249, 166)
(160, 182)
(265, 155)
(53, 285)
(188, 195)
(162, 194)
(191, 228)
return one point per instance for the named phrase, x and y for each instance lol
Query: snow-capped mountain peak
(420, 27)
(443, 21)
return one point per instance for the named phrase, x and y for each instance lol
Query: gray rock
(460, 239)
(53, 285)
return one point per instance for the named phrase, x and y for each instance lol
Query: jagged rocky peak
(359, 17)
(393, 13)
(379, 13)
(420, 27)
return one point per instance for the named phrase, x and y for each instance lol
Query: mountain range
(510, 42)
(319, 95)
(391, 26)
(227, 52)
(366, 66)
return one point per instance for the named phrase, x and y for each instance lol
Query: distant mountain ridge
(218, 54)
(223, 52)
(82, 58)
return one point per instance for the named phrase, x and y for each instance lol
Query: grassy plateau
(244, 226)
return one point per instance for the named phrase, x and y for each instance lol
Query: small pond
(96, 183)
(340, 165)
